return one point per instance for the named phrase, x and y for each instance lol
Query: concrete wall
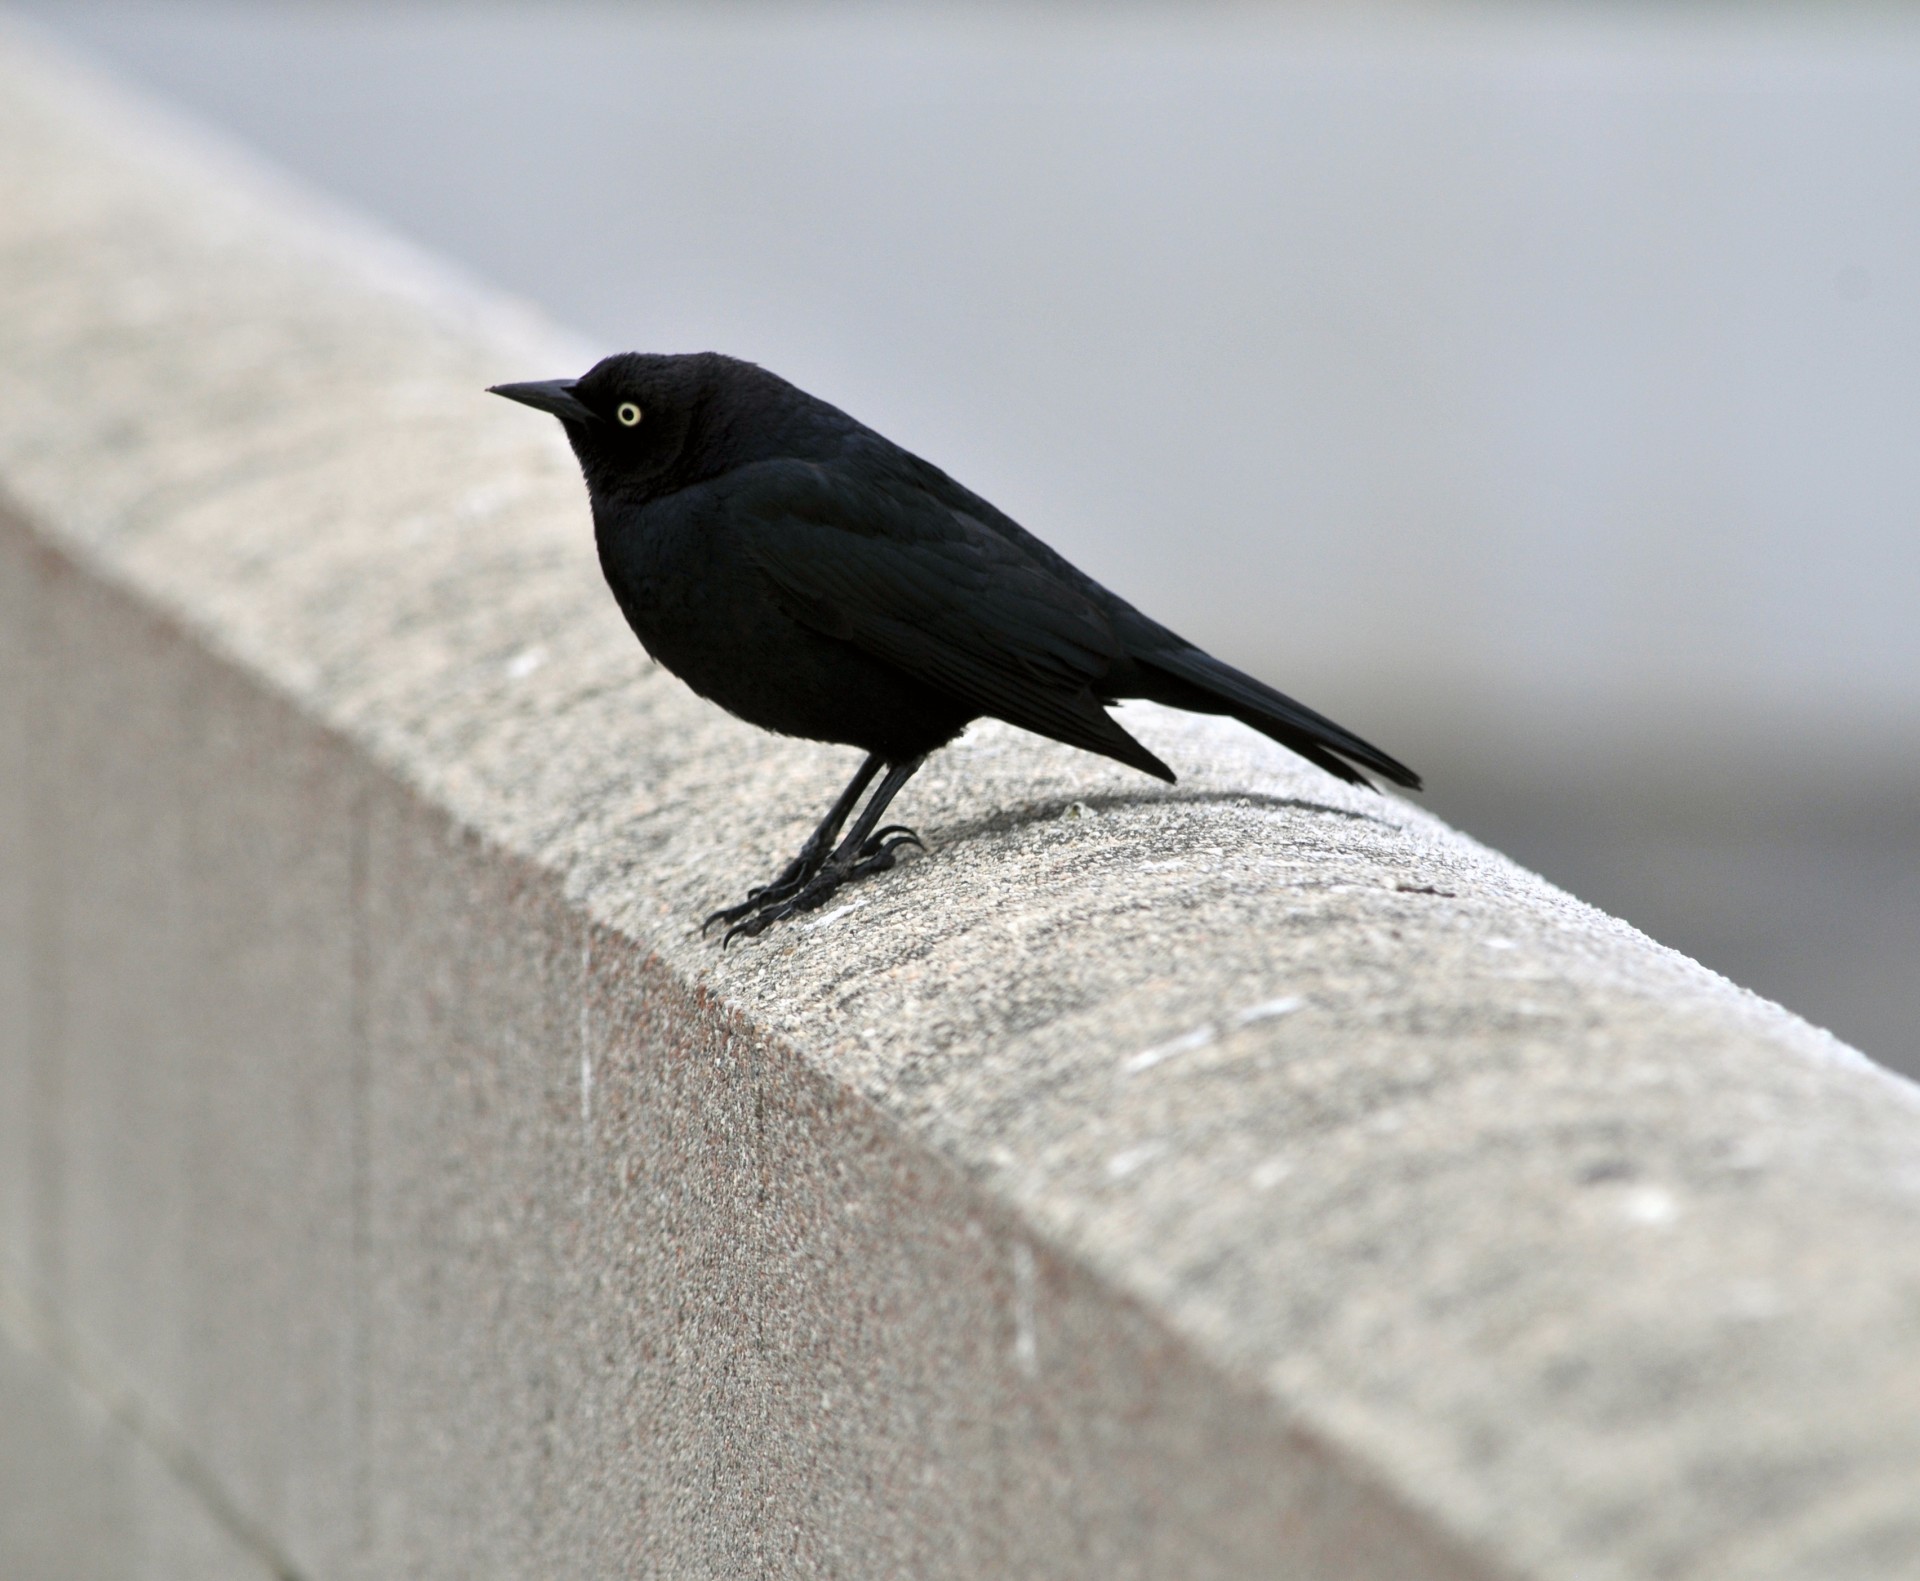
(1251, 1177)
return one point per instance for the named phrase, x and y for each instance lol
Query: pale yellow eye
(629, 414)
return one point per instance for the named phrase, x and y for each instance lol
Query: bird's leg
(820, 842)
(812, 854)
(864, 851)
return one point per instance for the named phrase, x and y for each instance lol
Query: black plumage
(815, 579)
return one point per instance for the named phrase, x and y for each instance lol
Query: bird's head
(643, 425)
(629, 419)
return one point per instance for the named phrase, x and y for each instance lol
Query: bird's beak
(548, 395)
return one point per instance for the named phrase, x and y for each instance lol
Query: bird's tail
(1185, 677)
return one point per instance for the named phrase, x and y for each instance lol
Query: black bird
(810, 576)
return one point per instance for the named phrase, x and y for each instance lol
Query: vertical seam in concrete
(566, 1244)
(46, 1271)
(359, 1032)
(760, 1535)
(586, 1058)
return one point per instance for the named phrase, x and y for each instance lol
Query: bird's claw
(884, 839)
(730, 914)
(759, 896)
(765, 906)
(787, 884)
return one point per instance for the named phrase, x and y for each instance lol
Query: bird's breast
(671, 576)
(703, 608)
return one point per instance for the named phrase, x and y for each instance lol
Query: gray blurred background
(1534, 388)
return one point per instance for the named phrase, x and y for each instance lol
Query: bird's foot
(782, 888)
(792, 879)
(801, 871)
(762, 909)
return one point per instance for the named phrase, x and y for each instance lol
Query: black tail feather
(1188, 678)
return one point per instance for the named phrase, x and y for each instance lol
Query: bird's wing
(878, 562)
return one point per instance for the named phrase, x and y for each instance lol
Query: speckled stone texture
(1247, 1178)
